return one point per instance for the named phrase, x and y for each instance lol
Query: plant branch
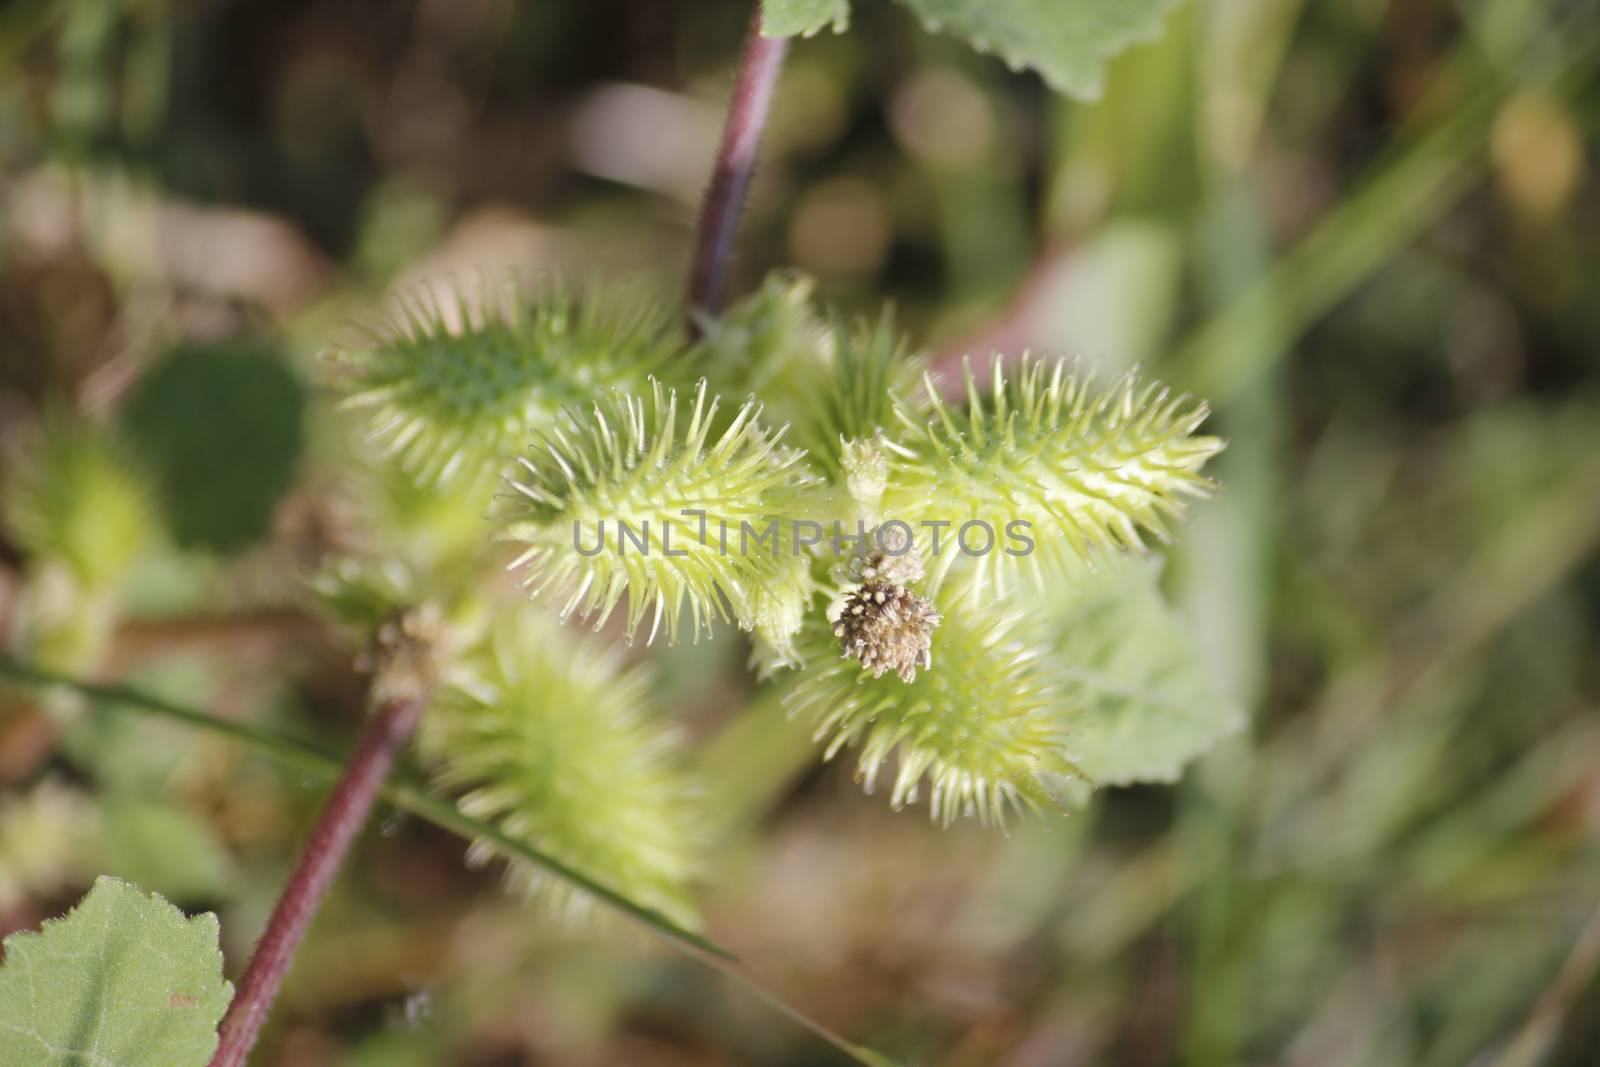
(408, 796)
(357, 789)
(730, 178)
(411, 797)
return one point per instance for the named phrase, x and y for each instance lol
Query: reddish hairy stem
(391, 727)
(736, 162)
(348, 807)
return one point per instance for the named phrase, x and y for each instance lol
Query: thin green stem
(411, 797)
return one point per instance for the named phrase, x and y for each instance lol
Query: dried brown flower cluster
(885, 625)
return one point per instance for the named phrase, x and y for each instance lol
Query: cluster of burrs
(883, 624)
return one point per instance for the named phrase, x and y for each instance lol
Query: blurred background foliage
(1368, 231)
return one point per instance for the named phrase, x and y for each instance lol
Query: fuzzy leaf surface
(124, 980)
(802, 18)
(1067, 41)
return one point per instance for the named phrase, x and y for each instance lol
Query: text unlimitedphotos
(974, 537)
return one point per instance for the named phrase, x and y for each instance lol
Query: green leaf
(802, 18)
(221, 425)
(1130, 669)
(1066, 41)
(123, 981)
